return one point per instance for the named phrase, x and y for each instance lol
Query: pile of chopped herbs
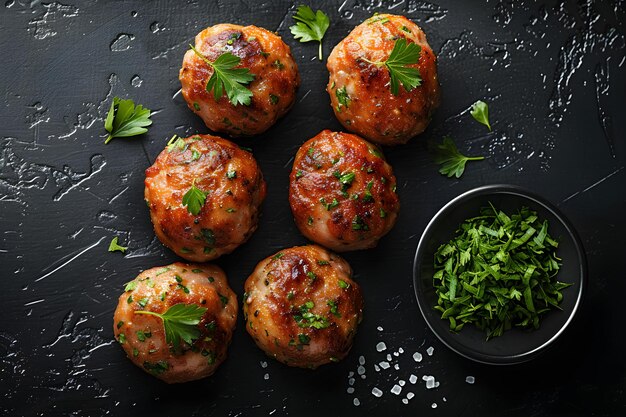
(497, 272)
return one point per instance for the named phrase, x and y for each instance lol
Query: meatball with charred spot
(342, 192)
(142, 335)
(360, 86)
(204, 195)
(302, 307)
(264, 55)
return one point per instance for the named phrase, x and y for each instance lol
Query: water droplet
(122, 42)
(136, 81)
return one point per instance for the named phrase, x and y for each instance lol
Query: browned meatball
(143, 338)
(302, 307)
(265, 55)
(342, 192)
(230, 179)
(360, 91)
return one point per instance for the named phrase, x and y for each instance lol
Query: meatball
(302, 307)
(360, 91)
(143, 336)
(204, 195)
(265, 55)
(342, 192)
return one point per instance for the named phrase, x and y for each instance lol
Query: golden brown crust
(339, 215)
(373, 111)
(265, 55)
(235, 188)
(284, 287)
(158, 289)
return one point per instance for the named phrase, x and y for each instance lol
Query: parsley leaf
(227, 78)
(310, 26)
(451, 160)
(113, 246)
(180, 322)
(402, 55)
(480, 112)
(342, 98)
(194, 199)
(125, 119)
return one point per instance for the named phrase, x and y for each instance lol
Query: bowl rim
(520, 192)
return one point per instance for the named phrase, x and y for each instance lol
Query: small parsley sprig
(310, 26)
(114, 246)
(125, 119)
(480, 112)
(194, 199)
(227, 78)
(451, 160)
(180, 322)
(402, 55)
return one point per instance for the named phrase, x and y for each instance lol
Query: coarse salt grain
(380, 346)
(396, 367)
(379, 328)
(384, 365)
(396, 354)
(430, 383)
(350, 374)
(405, 401)
(362, 360)
(400, 350)
(389, 358)
(266, 376)
(350, 381)
(409, 395)
(360, 370)
(417, 357)
(377, 392)
(470, 379)
(397, 389)
(356, 402)
(434, 405)
(263, 364)
(412, 379)
(363, 376)
(430, 351)
(350, 390)
(401, 382)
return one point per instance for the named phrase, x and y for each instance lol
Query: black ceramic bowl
(515, 345)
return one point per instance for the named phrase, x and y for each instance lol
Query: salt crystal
(396, 367)
(379, 328)
(417, 357)
(401, 382)
(389, 358)
(470, 379)
(350, 390)
(356, 402)
(376, 392)
(362, 360)
(376, 368)
(384, 365)
(430, 351)
(412, 379)
(360, 370)
(363, 376)
(350, 374)
(397, 389)
(396, 354)
(405, 401)
(425, 377)
(436, 384)
(430, 383)
(380, 346)
(400, 350)
(350, 381)
(263, 364)
(444, 399)
(409, 395)
(266, 376)
(434, 405)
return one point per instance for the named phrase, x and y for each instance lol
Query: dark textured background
(554, 75)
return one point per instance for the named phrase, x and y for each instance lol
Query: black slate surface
(554, 75)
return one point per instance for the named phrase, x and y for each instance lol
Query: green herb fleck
(113, 246)
(180, 322)
(194, 199)
(480, 112)
(125, 119)
(451, 160)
